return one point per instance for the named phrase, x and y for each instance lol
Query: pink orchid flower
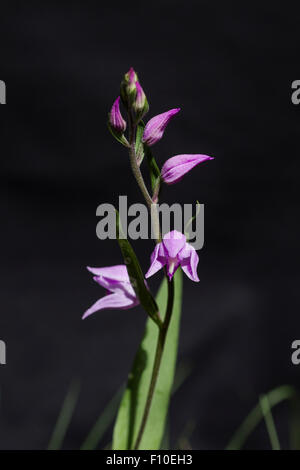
(155, 128)
(120, 291)
(176, 167)
(172, 252)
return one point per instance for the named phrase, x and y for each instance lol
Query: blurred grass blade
(267, 414)
(104, 421)
(133, 402)
(184, 440)
(183, 371)
(136, 275)
(275, 397)
(64, 417)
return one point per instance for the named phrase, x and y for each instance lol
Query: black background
(229, 66)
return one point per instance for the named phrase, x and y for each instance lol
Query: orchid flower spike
(172, 252)
(120, 291)
(176, 167)
(155, 128)
(116, 121)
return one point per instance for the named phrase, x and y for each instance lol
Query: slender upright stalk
(140, 181)
(157, 361)
(163, 329)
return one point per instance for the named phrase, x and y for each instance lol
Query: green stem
(163, 328)
(138, 175)
(157, 361)
(140, 181)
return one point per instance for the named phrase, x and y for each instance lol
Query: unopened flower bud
(131, 78)
(116, 121)
(155, 128)
(140, 105)
(128, 87)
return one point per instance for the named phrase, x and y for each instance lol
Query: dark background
(229, 67)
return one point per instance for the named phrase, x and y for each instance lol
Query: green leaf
(136, 275)
(65, 417)
(107, 416)
(153, 168)
(134, 398)
(274, 397)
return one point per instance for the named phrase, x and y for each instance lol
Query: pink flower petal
(189, 261)
(111, 301)
(154, 129)
(173, 242)
(176, 167)
(158, 260)
(114, 273)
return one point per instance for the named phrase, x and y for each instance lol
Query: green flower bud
(140, 105)
(128, 87)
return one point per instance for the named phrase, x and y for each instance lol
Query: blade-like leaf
(65, 417)
(134, 398)
(108, 414)
(269, 420)
(136, 275)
